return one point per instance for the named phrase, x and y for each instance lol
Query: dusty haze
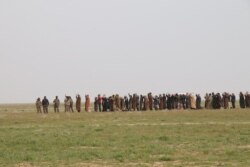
(58, 47)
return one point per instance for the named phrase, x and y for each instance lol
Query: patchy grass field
(176, 138)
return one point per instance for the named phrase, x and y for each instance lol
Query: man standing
(130, 102)
(87, 103)
(198, 101)
(100, 103)
(242, 101)
(192, 102)
(226, 99)
(141, 103)
(126, 101)
(164, 102)
(71, 104)
(45, 104)
(104, 104)
(247, 100)
(117, 103)
(150, 101)
(39, 105)
(56, 104)
(233, 99)
(78, 103)
(96, 104)
(67, 103)
(146, 103)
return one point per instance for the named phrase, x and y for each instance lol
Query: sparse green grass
(162, 138)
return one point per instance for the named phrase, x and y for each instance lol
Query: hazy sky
(58, 47)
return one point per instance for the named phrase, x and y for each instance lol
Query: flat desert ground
(150, 138)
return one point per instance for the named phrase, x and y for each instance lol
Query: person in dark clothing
(233, 99)
(111, 103)
(198, 102)
(164, 101)
(150, 100)
(226, 99)
(214, 97)
(176, 101)
(78, 103)
(183, 101)
(168, 101)
(219, 101)
(242, 101)
(137, 102)
(156, 101)
(45, 103)
(96, 104)
(247, 100)
(130, 106)
(161, 102)
(105, 104)
(126, 101)
(141, 103)
(99, 103)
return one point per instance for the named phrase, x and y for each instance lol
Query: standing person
(169, 102)
(247, 100)
(206, 101)
(56, 104)
(188, 101)
(218, 101)
(198, 101)
(87, 103)
(45, 103)
(122, 103)
(242, 101)
(176, 100)
(156, 102)
(226, 99)
(96, 104)
(134, 102)
(130, 102)
(161, 102)
(233, 99)
(214, 101)
(104, 104)
(192, 102)
(71, 104)
(210, 101)
(164, 102)
(183, 101)
(78, 103)
(111, 103)
(146, 103)
(141, 102)
(150, 101)
(67, 103)
(126, 101)
(39, 105)
(117, 106)
(100, 103)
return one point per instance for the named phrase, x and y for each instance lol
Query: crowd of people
(147, 102)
